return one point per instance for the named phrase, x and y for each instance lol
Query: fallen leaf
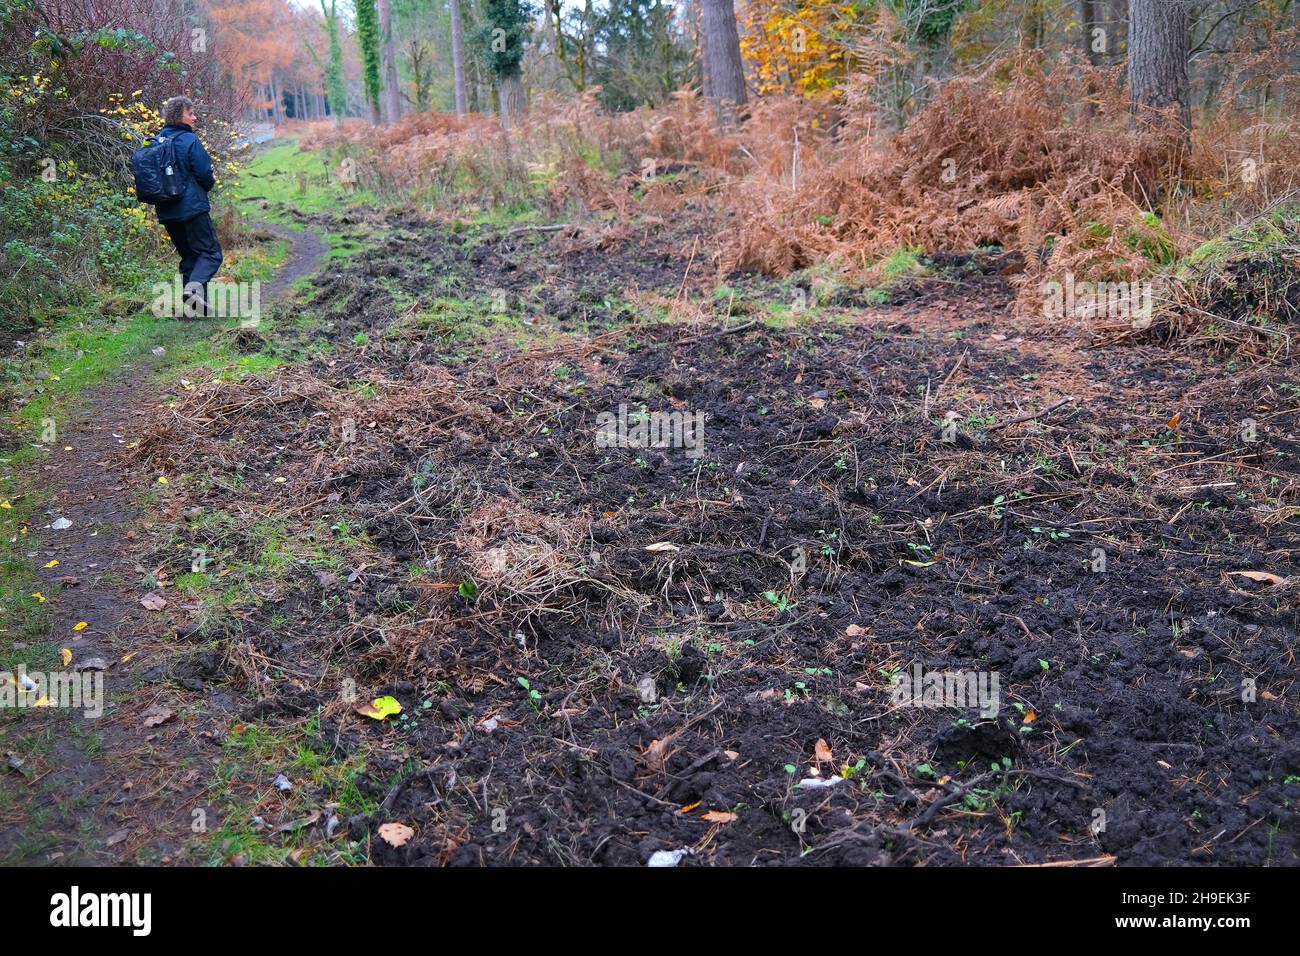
(380, 707)
(157, 715)
(80, 626)
(293, 825)
(153, 601)
(657, 753)
(822, 752)
(66, 654)
(162, 479)
(690, 806)
(396, 834)
(854, 630)
(718, 816)
(40, 598)
(52, 564)
(661, 546)
(117, 838)
(1260, 576)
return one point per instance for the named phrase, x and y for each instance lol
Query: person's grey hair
(173, 110)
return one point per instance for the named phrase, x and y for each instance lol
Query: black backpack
(159, 178)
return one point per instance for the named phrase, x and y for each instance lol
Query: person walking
(186, 218)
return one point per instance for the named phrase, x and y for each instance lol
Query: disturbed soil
(605, 652)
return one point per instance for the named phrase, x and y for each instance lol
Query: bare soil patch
(573, 695)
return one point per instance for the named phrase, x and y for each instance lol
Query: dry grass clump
(1036, 157)
(1008, 157)
(531, 564)
(567, 153)
(1239, 292)
(332, 432)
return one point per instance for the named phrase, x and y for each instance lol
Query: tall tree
(640, 55)
(392, 91)
(368, 41)
(500, 40)
(1157, 57)
(724, 75)
(336, 93)
(457, 59)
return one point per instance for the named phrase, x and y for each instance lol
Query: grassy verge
(47, 385)
(282, 183)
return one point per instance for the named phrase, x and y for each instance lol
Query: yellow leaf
(52, 564)
(40, 598)
(66, 655)
(162, 479)
(380, 707)
(80, 626)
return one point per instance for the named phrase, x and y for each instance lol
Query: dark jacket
(197, 165)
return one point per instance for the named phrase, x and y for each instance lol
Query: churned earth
(601, 653)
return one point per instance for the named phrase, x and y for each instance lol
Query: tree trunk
(1157, 57)
(724, 75)
(392, 93)
(277, 107)
(1031, 25)
(1095, 40)
(511, 95)
(457, 58)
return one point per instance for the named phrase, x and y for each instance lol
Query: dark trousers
(196, 243)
